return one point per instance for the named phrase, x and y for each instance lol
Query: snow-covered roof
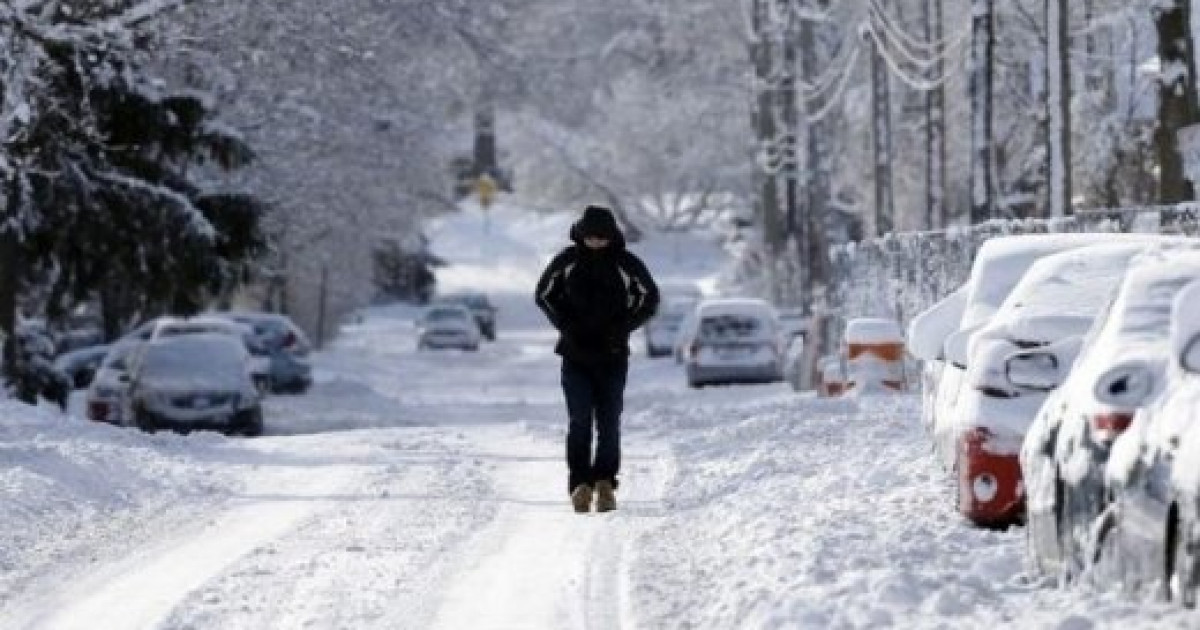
(1061, 293)
(1137, 324)
(1185, 318)
(735, 306)
(929, 329)
(1002, 261)
(873, 330)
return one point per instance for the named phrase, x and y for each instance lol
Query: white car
(733, 340)
(1150, 537)
(192, 382)
(926, 339)
(448, 326)
(999, 265)
(1119, 369)
(1037, 331)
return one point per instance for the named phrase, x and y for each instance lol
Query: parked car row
(205, 372)
(1059, 391)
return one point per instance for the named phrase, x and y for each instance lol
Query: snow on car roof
(1061, 293)
(1185, 318)
(1002, 261)
(929, 329)
(735, 306)
(871, 330)
(1138, 321)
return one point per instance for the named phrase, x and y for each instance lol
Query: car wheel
(253, 426)
(143, 422)
(1180, 579)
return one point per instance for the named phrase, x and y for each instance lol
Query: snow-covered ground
(427, 490)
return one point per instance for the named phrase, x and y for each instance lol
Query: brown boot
(606, 496)
(581, 498)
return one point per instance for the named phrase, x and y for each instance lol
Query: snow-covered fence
(899, 275)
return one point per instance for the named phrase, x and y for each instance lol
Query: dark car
(290, 371)
(481, 308)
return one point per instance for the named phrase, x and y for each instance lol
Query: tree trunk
(1058, 85)
(1177, 106)
(983, 189)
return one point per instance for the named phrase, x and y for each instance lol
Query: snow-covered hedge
(900, 275)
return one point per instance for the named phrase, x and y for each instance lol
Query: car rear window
(731, 327)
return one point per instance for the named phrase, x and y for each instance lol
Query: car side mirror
(1190, 359)
(1038, 370)
(955, 348)
(1127, 384)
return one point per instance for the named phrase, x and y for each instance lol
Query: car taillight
(1107, 426)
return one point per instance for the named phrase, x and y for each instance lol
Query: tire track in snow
(542, 566)
(142, 589)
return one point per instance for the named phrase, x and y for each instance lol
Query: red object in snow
(990, 490)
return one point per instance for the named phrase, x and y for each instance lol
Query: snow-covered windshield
(194, 360)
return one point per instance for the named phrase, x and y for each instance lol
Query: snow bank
(83, 481)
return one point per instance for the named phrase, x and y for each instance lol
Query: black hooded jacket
(596, 298)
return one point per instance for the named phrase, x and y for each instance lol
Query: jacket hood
(598, 221)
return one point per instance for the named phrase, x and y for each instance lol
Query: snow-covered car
(1119, 368)
(480, 306)
(1150, 537)
(171, 326)
(287, 349)
(733, 340)
(662, 331)
(999, 265)
(194, 382)
(1036, 333)
(926, 339)
(447, 326)
(105, 399)
(80, 365)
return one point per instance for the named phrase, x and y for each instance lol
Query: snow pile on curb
(744, 544)
(65, 481)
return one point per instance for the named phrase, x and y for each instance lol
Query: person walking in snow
(595, 293)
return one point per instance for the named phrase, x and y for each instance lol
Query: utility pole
(1058, 84)
(935, 121)
(983, 181)
(881, 138)
(767, 158)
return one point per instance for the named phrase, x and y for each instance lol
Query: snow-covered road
(426, 490)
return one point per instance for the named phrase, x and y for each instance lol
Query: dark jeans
(595, 397)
